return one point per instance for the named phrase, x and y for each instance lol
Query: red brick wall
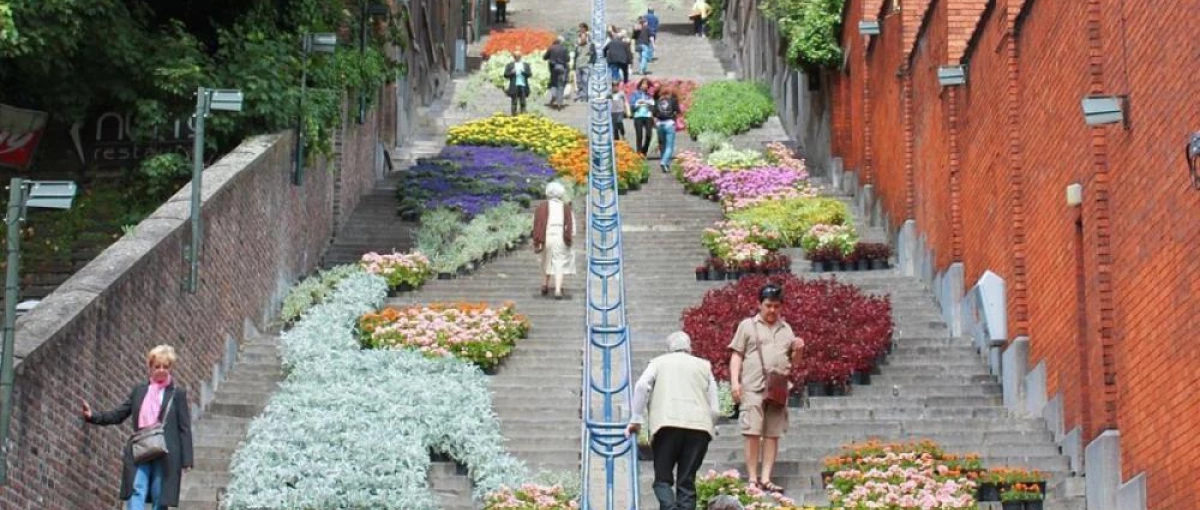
(88, 339)
(983, 142)
(1125, 353)
(851, 91)
(931, 139)
(888, 137)
(1156, 246)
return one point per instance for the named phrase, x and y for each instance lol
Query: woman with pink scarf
(153, 402)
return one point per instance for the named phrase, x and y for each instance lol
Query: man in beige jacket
(683, 405)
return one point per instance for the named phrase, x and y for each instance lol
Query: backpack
(664, 109)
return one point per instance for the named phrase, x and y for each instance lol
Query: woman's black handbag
(150, 443)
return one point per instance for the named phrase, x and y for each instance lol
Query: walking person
(666, 110)
(619, 109)
(585, 56)
(764, 350)
(155, 402)
(652, 22)
(501, 11)
(700, 13)
(559, 59)
(553, 233)
(518, 74)
(618, 54)
(645, 47)
(682, 399)
(642, 104)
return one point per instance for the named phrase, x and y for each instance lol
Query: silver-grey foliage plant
(352, 428)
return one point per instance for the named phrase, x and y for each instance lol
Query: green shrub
(729, 107)
(312, 290)
(794, 217)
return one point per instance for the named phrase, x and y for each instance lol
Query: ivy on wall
(810, 27)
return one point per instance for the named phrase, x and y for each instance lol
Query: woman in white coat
(553, 233)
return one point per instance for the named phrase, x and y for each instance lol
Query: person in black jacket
(666, 110)
(619, 55)
(150, 403)
(559, 60)
(518, 74)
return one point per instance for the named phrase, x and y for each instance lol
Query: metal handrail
(606, 396)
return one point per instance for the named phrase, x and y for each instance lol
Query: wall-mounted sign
(106, 141)
(20, 132)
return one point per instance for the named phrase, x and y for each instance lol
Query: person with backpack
(618, 54)
(666, 109)
(559, 60)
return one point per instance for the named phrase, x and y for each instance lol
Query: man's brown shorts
(754, 415)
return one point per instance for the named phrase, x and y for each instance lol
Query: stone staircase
(216, 435)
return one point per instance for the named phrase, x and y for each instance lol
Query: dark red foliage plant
(844, 329)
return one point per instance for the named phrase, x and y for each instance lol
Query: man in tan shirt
(761, 423)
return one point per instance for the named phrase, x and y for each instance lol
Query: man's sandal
(770, 487)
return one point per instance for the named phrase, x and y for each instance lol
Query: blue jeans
(666, 140)
(147, 480)
(647, 52)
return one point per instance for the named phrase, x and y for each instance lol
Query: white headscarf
(555, 191)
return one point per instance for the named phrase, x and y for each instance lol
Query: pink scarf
(152, 404)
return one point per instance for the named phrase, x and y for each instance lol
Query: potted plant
(861, 254)
(1022, 496)
(716, 268)
(824, 258)
(877, 254)
(701, 273)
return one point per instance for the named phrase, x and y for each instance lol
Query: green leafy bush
(792, 218)
(810, 28)
(451, 244)
(729, 107)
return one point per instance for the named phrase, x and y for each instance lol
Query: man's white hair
(679, 341)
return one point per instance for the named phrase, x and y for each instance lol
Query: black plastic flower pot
(1013, 505)
(861, 378)
(491, 370)
(1034, 505)
(445, 276)
(818, 267)
(863, 265)
(716, 274)
(816, 389)
(878, 264)
(701, 275)
(461, 469)
(435, 456)
(987, 492)
(837, 390)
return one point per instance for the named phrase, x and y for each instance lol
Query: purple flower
(474, 179)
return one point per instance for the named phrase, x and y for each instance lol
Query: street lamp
(21, 195)
(207, 100)
(319, 43)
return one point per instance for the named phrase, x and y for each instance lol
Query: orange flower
(575, 163)
(527, 41)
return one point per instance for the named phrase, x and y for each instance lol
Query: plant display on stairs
(529, 41)
(471, 332)
(318, 444)
(810, 28)
(313, 290)
(901, 476)
(404, 271)
(734, 242)
(574, 163)
(531, 497)
(744, 178)
(713, 483)
(453, 246)
(729, 107)
(472, 179)
(821, 235)
(844, 329)
(541, 135)
(792, 218)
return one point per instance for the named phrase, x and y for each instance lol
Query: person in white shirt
(683, 407)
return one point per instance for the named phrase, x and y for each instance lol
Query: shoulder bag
(775, 384)
(150, 443)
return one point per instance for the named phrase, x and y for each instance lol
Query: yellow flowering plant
(531, 132)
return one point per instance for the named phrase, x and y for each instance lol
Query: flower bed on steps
(844, 330)
(353, 428)
(471, 332)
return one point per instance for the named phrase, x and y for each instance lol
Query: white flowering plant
(842, 237)
(318, 443)
(472, 332)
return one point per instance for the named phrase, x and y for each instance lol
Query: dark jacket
(558, 54)
(666, 108)
(617, 52)
(177, 430)
(510, 72)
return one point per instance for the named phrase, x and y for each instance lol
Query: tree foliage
(810, 27)
(75, 57)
